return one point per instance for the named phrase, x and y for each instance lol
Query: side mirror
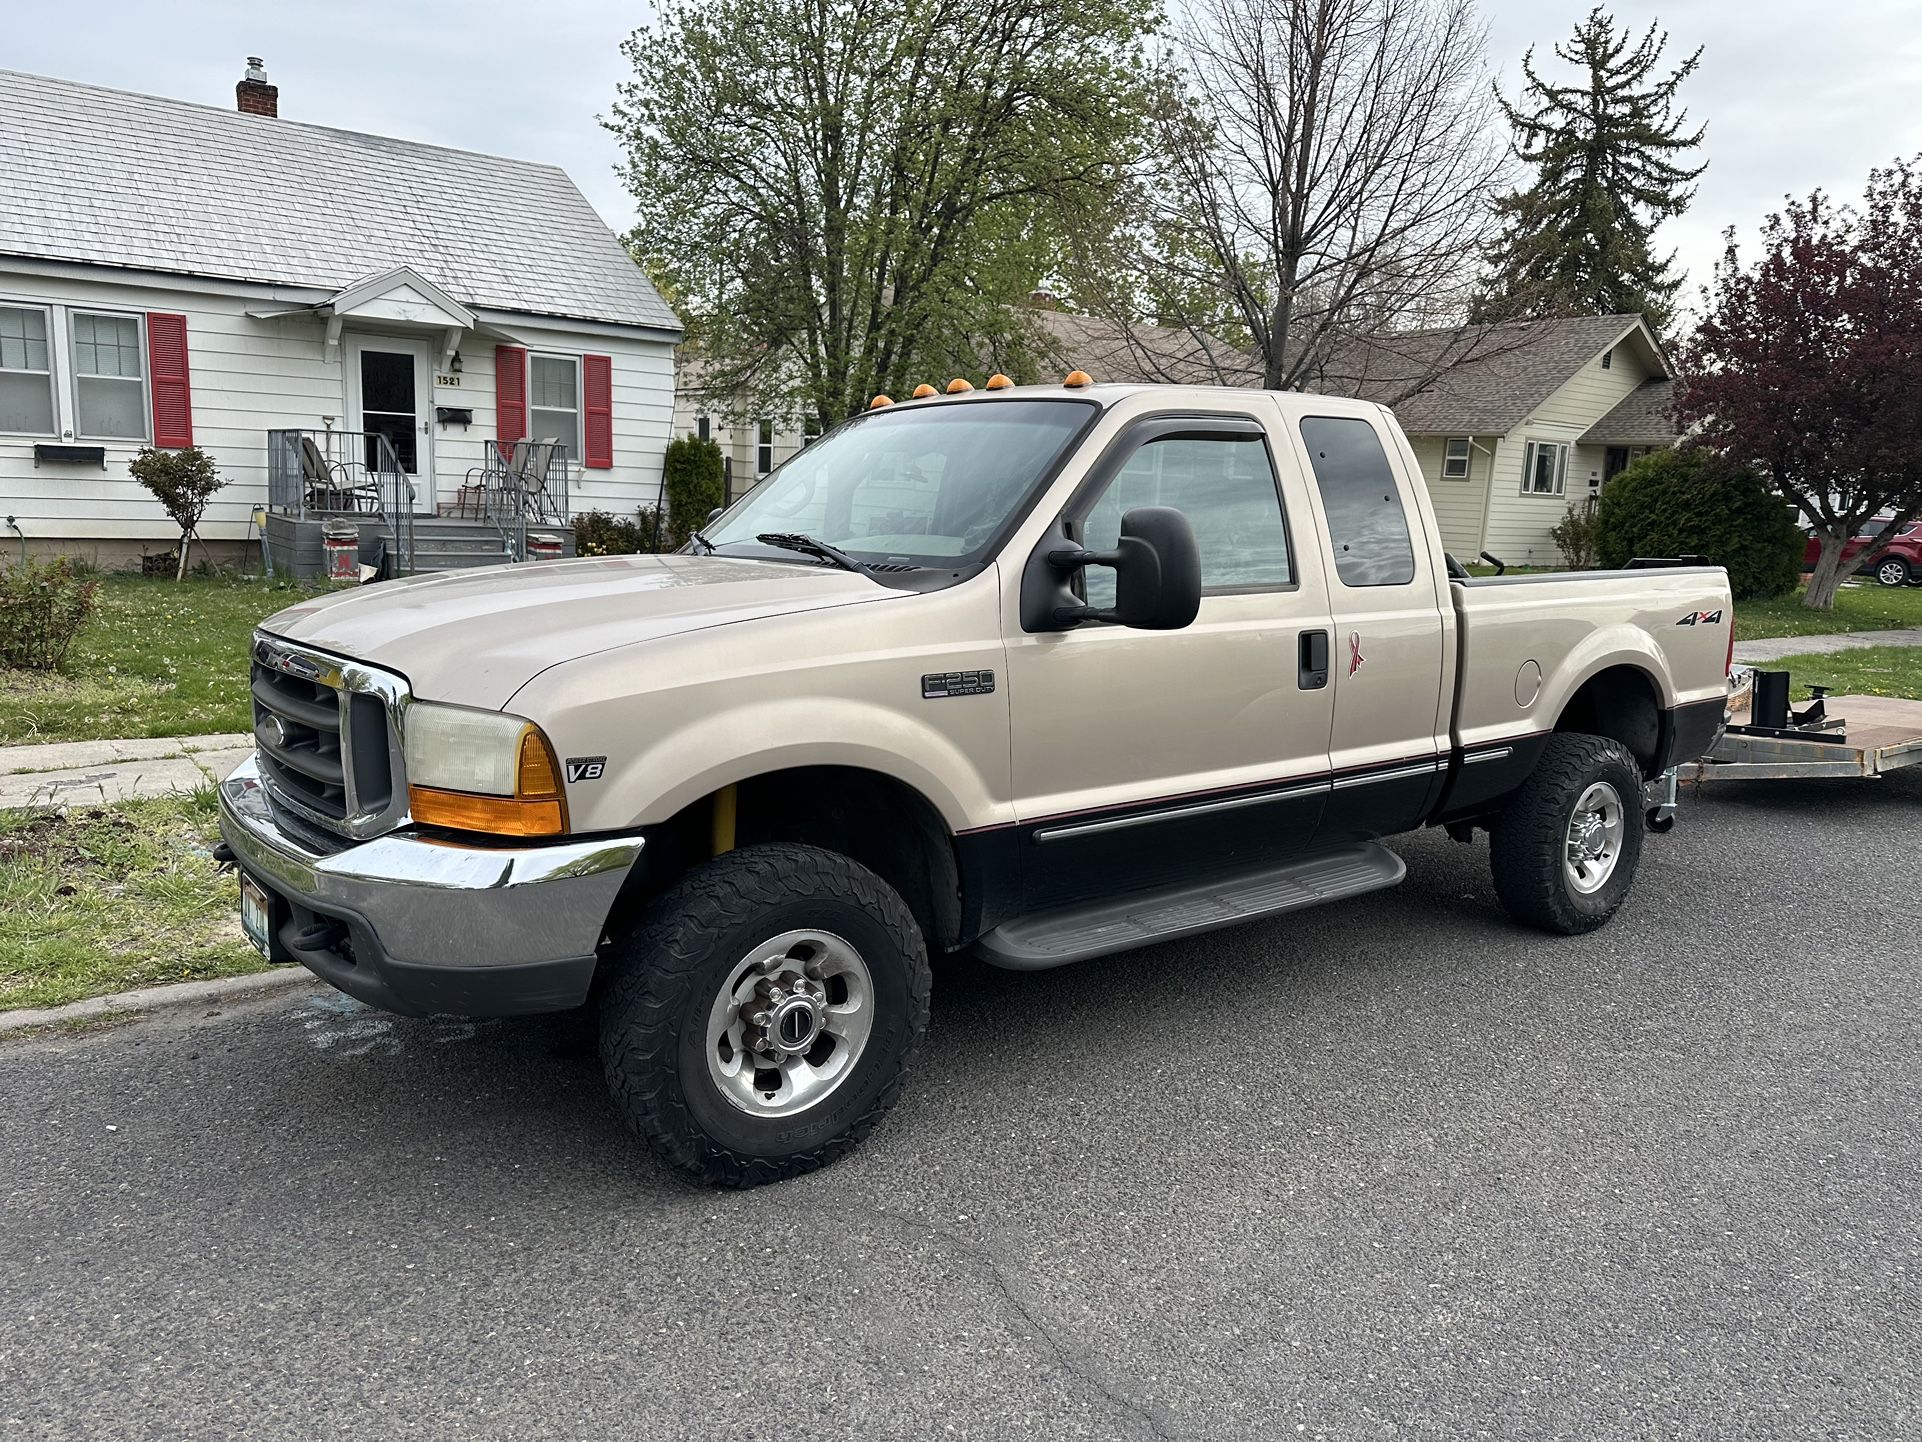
(1157, 568)
(714, 515)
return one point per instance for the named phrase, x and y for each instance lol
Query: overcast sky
(1796, 93)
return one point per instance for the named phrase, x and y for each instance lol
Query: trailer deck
(1876, 735)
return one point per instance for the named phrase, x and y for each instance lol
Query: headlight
(482, 771)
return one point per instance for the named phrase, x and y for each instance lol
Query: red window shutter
(510, 393)
(597, 404)
(173, 401)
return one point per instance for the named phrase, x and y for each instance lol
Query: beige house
(1515, 424)
(752, 443)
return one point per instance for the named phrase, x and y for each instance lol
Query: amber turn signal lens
(879, 401)
(923, 391)
(1078, 379)
(998, 382)
(537, 808)
(957, 387)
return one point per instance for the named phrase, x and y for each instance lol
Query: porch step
(456, 560)
(1055, 938)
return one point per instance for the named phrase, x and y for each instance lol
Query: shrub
(1574, 535)
(43, 606)
(694, 478)
(598, 534)
(184, 482)
(1690, 501)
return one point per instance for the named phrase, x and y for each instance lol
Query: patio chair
(491, 475)
(330, 485)
(533, 463)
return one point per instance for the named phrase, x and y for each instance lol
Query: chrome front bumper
(419, 925)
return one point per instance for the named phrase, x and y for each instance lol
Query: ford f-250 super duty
(1046, 673)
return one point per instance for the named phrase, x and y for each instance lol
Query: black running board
(1055, 938)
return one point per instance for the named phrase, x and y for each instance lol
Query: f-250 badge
(586, 768)
(1701, 618)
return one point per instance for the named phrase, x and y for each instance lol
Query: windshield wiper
(807, 545)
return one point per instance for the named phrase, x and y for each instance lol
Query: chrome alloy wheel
(1594, 838)
(1892, 572)
(790, 1023)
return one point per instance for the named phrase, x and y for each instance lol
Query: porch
(512, 505)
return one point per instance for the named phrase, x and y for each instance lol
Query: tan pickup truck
(1044, 673)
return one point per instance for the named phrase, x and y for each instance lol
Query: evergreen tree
(1610, 159)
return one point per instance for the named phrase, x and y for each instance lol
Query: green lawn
(1857, 608)
(158, 659)
(1872, 671)
(109, 898)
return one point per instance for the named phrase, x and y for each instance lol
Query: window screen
(1225, 486)
(554, 405)
(109, 393)
(1367, 526)
(26, 372)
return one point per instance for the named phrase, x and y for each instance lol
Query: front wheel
(1892, 571)
(763, 1015)
(1565, 848)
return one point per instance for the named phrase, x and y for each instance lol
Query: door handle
(1314, 660)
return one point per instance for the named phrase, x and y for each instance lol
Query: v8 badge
(586, 768)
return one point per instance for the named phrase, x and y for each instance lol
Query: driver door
(1141, 758)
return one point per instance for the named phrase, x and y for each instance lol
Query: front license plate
(256, 914)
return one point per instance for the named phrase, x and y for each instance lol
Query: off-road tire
(1530, 836)
(667, 971)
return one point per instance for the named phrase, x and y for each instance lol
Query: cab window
(1225, 486)
(1367, 525)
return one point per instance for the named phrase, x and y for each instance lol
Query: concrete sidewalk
(90, 773)
(1772, 648)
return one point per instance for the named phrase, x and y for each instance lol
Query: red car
(1898, 563)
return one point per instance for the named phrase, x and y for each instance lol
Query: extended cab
(1044, 673)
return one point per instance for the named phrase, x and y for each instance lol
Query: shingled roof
(1140, 354)
(1641, 418)
(1473, 380)
(104, 177)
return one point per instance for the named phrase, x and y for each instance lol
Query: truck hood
(476, 637)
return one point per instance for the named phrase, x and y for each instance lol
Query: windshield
(926, 487)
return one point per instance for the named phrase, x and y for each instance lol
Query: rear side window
(1367, 526)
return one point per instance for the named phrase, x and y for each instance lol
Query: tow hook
(1659, 799)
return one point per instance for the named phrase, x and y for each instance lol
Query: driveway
(1393, 1169)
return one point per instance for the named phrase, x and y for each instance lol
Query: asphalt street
(1393, 1169)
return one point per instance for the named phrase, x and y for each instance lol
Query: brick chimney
(1042, 298)
(254, 96)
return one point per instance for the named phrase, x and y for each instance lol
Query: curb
(149, 999)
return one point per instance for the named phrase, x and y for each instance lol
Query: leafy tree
(1610, 157)
(851, 197)
(1691, 502)
(1807, 364)
(693, 482)
(184, 482)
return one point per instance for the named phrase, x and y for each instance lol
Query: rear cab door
(1392, 667)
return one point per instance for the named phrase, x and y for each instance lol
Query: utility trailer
(1834, 736)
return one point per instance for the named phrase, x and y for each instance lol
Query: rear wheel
(1565, 848)
(1892, 571)
(764, 1013)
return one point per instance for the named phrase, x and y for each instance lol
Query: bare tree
(1324, 172)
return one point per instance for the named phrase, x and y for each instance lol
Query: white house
(175, 274)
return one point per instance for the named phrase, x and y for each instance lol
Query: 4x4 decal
(1701, 618)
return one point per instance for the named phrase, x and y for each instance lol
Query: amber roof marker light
(999, 382)
(959, 387)
(1077, 379)
(923, 391)
(879, 401)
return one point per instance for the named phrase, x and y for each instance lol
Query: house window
(554, 403)
(109, 382)
(26, 372)
(1544, 468)
(701, 427)
(764, 448)
(810, 431)
(1608, 357)
(1455, 459)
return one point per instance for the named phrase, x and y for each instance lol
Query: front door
(390, 382)
(1146, 757)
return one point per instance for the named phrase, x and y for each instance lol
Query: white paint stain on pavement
(341, 1026)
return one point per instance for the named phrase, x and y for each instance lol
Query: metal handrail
(354, 465)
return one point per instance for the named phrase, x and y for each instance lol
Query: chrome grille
(327, 735)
